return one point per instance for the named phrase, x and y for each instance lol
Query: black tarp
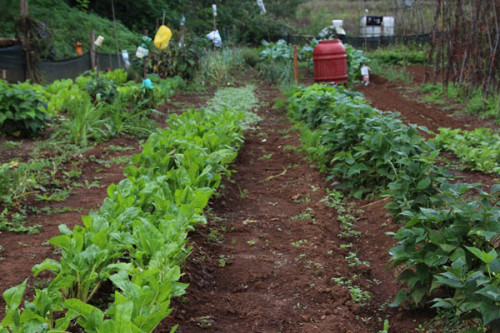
(12, 65)
(11, 57)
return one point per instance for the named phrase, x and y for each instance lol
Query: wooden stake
(116, 36)
(97, 61)
(26, 40)
(92, 50)
(215, 29)
(145, 58)
(295, 64)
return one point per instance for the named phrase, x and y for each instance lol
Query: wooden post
(4, 74)
(92, 50)
(215, 29)
(98, 61)
(145, 58)
(116, 36)
(26, 40)
(295, 64)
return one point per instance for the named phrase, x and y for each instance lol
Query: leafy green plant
(251, 57)
(479, 149)
(101, 89)
(451, 252)
(355, 60)
(220, 66)
(22, 112)
(138, 238)
(400, 55)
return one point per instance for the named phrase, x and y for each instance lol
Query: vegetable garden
(228, 197)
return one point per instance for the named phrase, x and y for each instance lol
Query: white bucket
(99, 40)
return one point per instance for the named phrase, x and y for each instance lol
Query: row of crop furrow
(137, 239)
(449, 231)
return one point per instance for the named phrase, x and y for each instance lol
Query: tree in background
(240, 22)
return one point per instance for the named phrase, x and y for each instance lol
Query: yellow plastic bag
(162, 37)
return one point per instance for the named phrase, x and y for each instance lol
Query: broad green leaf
(400, 298)
(48, 264)
(13, 297)
(424, 183)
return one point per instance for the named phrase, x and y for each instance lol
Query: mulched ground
(266, 260)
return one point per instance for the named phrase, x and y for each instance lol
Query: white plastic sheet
(214, 36)
(126, 58)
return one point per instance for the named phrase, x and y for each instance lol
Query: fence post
(116, 35)
(295, 64)
(29, 74)
(92, 50)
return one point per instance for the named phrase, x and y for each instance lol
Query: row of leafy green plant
(478, 149)
(78, 115)
(275, 61)
(137, 240)
(89, 109)
(454, 95)
(446, 251)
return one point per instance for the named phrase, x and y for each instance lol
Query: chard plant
(137, 240)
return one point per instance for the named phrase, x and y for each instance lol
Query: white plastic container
(337, 23)
(388, 24)
(99, 40)
(141, 52)
(369, 31)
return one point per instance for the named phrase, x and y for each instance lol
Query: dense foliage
(22, 112)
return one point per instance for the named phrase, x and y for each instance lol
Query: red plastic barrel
(330, 62)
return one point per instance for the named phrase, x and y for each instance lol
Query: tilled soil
(389, 96)
(266, 260)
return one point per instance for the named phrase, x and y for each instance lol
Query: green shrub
(450, 252)
(101, 89)
(251, 57)
(22, 112)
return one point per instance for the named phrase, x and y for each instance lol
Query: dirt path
(389, 96)
(266, 260)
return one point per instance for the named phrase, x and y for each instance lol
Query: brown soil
(390, 96)
(277, 268)
(262, 264)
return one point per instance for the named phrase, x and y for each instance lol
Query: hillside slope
(68, 25)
